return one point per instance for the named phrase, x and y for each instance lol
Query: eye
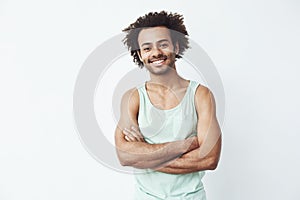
(164, 45)
(146, 49)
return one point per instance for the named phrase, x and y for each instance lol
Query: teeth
(158, 61)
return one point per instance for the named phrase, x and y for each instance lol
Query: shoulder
(202, 91)
(204, 99)
(129, 108)
(130, 99)
(131, 95)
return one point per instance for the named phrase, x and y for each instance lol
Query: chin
(159, 70)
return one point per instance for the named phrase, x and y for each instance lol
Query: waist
(162, 185)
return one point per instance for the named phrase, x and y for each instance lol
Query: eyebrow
(160, 41)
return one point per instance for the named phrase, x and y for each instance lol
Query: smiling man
(168, 127)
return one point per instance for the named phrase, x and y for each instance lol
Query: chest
(158, 126)
(166, 100)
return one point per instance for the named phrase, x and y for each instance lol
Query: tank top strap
(194, 86)
(143, 97)
(191, 93)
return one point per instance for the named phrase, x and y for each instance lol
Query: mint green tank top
(159, 126)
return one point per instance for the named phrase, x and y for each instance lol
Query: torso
(175, 120)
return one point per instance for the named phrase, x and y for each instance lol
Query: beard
(168, 64)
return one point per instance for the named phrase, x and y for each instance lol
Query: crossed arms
(193, 154)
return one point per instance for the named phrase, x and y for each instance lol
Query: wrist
(191, 143)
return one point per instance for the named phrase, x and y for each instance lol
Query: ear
(176, 48)
(139, 54)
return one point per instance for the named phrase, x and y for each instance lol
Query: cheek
(169, 52)
(144, 56)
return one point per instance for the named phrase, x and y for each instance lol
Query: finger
(138, 133)
(130, 138)
(127, 138)
(134, 134)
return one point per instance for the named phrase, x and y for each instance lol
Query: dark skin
(166, 88)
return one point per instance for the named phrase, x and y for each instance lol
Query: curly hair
(172, 21)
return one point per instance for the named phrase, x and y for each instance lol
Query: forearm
(188, 163)
(196, 160)
(144, 155)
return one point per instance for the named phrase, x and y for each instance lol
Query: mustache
(159, 57)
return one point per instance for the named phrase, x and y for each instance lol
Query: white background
(254, 45)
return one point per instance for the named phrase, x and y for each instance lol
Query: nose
(156, 52)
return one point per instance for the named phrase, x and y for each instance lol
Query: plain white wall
(254, 45)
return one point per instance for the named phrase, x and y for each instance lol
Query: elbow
(123, 162)
(123, 159)
(213, 164)
(126, 164)
(127, 160)
(130, 160)
(138, 165)
(135, 164)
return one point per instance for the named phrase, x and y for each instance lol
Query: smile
(158, 61)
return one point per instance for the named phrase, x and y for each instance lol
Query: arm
(140, 154)
(206, 157)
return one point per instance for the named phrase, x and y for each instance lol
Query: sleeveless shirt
(159, 126)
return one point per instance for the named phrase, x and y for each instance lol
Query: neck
(170, 80)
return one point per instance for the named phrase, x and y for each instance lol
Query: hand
(133, 134)
(192, 143)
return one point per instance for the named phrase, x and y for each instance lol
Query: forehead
(153, 34)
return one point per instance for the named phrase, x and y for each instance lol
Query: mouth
(158, 62)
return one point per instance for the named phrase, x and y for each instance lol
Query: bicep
(208, 129)
(128, 115)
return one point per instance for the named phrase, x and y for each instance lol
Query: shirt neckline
(171, 109)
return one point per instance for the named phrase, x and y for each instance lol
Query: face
(157, 51)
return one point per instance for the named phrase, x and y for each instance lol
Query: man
(168, 126)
